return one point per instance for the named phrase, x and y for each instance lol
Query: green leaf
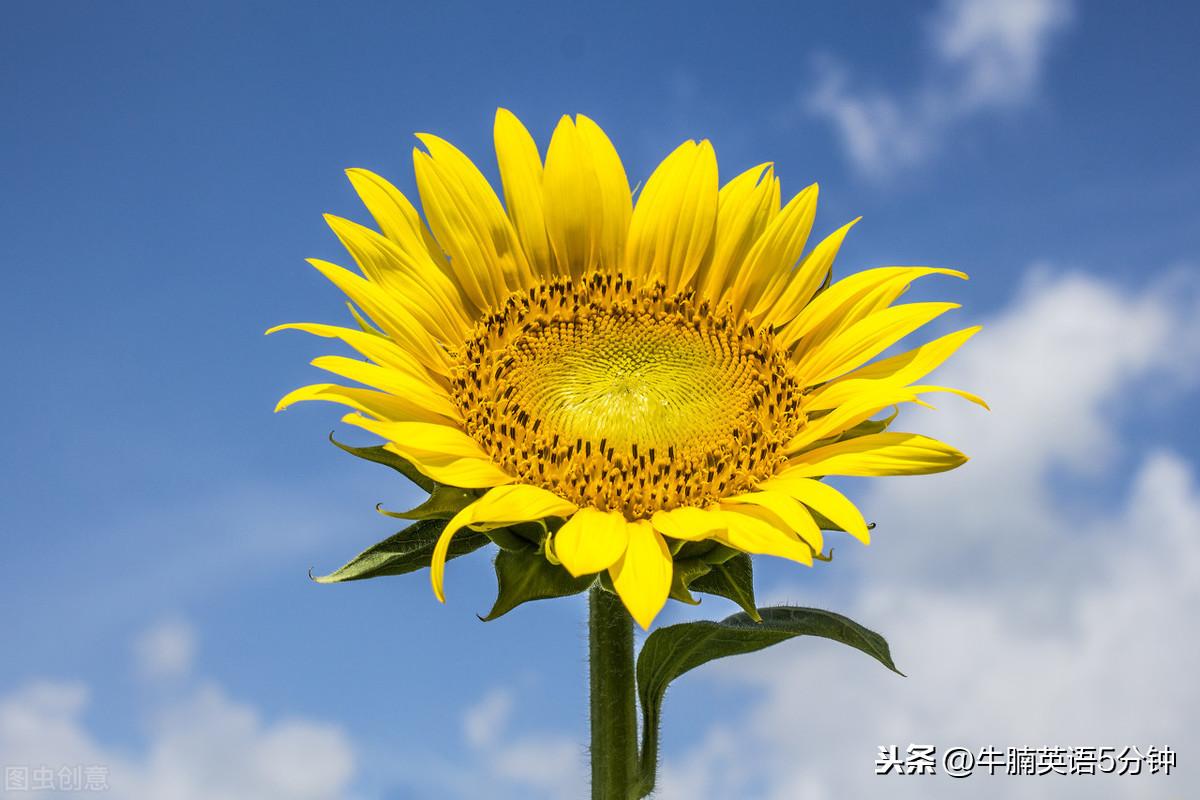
(526, 575)
(682, 575)
(443, 503)
(676, 649)
(732, 579)
(671, 651)
(380, 455)
(409, 550)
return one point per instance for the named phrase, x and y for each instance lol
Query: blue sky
(165, 169)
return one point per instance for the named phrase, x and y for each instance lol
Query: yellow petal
(968, 396)
(745, 206)
(455, 233)
(747, 532)
(616, 200)
(498, 238)
(470, 224)
(364, 324)
(672, 226)
(849, 300)
(378, 404)
(395, 321)
(788, 510)
(574, 207)
(377, 348)
(780, 306)
(422, 393)
(521, 174)
(437, 450)
(591, 541)
(642, 576)
(769, 264)
(422, 437)
(588, 202)
(826, 501)
(864, 340)
(397, 217)
(898, 370)
(854, 410)
(465, 473)
(417, 285)
(504, 505)
(876, 454)
(687, 523)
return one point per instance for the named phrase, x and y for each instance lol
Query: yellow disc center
(630, 379)
(624, 398)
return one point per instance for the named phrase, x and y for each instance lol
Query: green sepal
(521, 537)
(828, 279)
(606, 583)
(381, 455)
(732, 579)
(708, 550)
(537, 530)
(443, 503)
(676, 649)
(868, 426)
(721, 553)
(525, 575)
(682, 576)
(510, 540)
(407, 551)
(826, 524)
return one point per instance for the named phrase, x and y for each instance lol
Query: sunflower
(677, 370)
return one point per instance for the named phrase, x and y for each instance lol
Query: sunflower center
(625, 398)
(630, 380)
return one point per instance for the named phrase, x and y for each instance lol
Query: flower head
(679, 370)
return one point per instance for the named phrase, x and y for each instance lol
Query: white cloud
(517, 764)
(202, 745)
(997, 48)
(986, 56)
(209, 746)
(166, 650)
(1023, 615)
(484, 722)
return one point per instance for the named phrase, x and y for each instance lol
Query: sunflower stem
(614, 748)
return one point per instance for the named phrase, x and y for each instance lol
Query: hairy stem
(614, 748)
